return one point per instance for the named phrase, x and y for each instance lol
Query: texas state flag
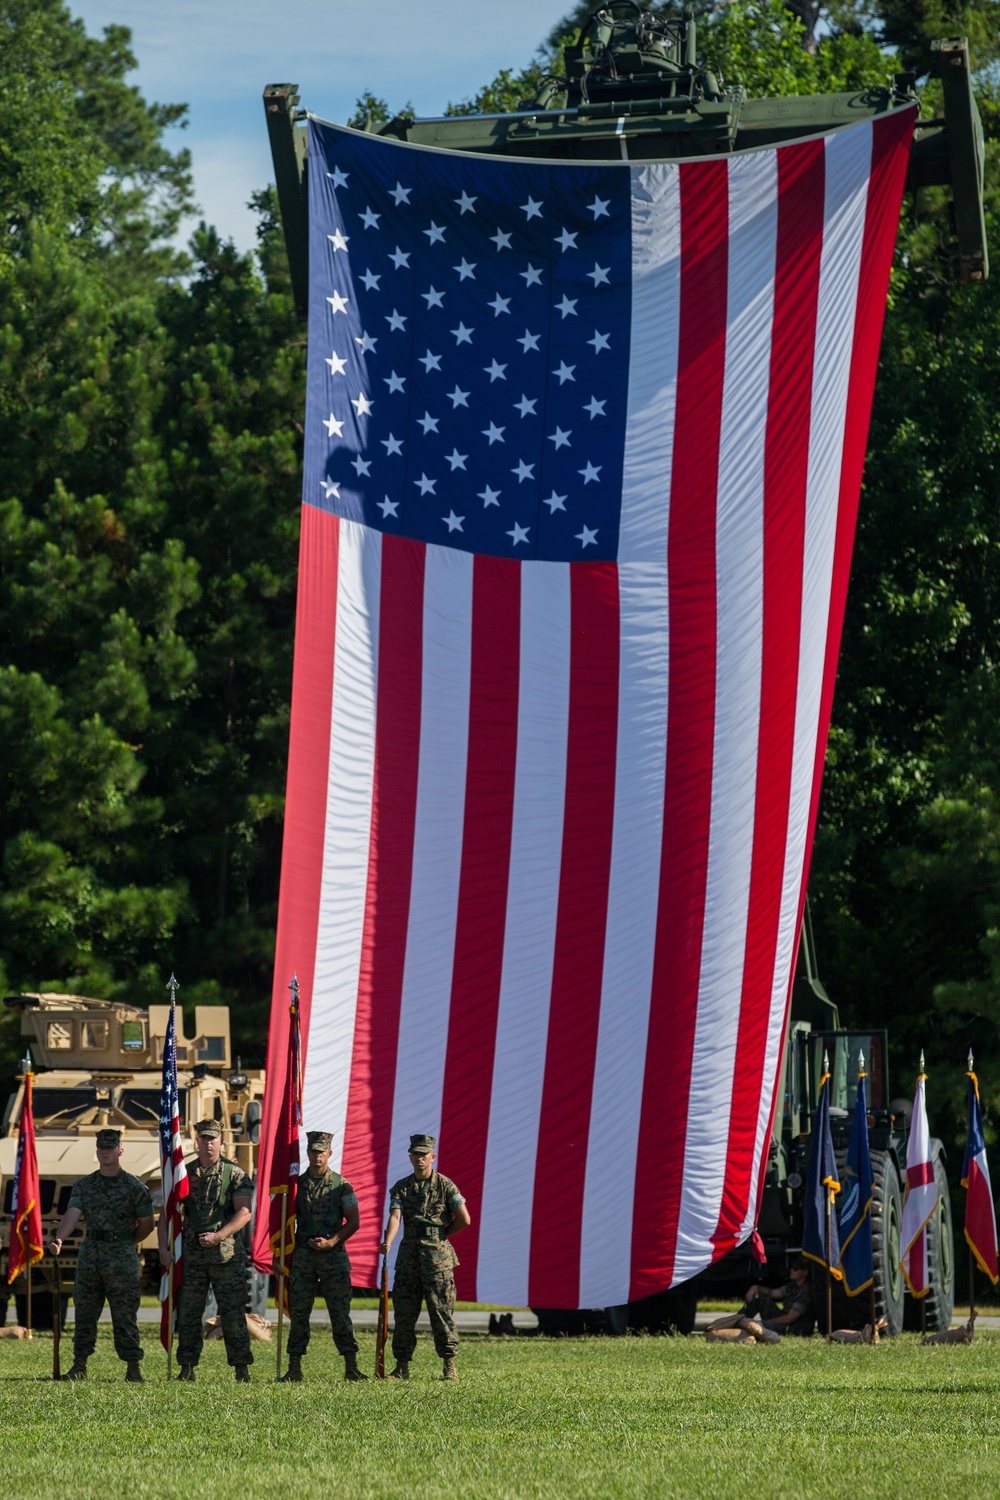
(980, 1220)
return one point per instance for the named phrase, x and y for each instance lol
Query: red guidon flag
(25, 1246)
(921, 1198)
(582, 461)
(283, 1158)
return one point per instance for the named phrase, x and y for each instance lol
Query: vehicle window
(143, 1105)
(59, 1036)
(69, 1104)
(94, 1035)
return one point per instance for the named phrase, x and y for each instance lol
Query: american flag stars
(469, 300)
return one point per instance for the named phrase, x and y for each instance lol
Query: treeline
(150, 411)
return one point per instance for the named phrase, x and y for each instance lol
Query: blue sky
(217, 55)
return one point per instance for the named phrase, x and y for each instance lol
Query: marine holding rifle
(432, 1212)
(118, 1211)
(215, 1210)
(326, 1215)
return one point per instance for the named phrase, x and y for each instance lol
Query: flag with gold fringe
(980, 1218)
(822, 1186)
(26, 1219)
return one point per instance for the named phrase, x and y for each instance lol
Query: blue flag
(823, 1176)
(856, 1262)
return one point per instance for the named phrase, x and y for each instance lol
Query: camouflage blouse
(209, 1204)
(427, 1206)
(112, 1204)
(321, 1205)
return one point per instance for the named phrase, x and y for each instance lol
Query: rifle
(56, 1319)
(382, 1333)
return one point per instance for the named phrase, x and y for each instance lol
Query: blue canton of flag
(468, 347)
(856, 1262)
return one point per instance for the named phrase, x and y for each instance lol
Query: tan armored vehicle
(98, 1063)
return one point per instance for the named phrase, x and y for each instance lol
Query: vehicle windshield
(845, 1049)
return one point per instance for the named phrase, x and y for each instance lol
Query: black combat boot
(186, 1372)
(402, 1370)
(133, 1372)
(78, 1370)
(495, 1324)
(449, 1372)
(242, 1374)
(351, 1371)
(294, 1372)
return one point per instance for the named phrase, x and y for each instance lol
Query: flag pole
(829, 1236)
(972, 1258)
(927, 1278)
(30, 1329)
(281, 1277)
(829, 1273)
(172, 986)
(871, 1290)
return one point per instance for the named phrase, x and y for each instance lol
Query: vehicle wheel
(887, 1216)
(940, 1299)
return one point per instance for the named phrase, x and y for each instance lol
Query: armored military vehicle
(98, 1063)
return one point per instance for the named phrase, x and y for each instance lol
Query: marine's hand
(55, 1246)
(209, 1238)
(318, 1242)
(166, 1259)
(383, 1249)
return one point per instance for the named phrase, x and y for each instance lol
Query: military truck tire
(887, 1216)
(940, 1299)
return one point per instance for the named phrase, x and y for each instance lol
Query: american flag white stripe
(642, 727)
(596, 926)
(348, 830)
(847, 157)
(437, 853)
(533, 885)
(740, 569)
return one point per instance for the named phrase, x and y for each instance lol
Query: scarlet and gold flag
(26, 1220)
(283, 1178)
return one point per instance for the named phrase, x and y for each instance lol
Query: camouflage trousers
(329, 1273)
(112, 1272)
(229, 1283)
(424, 1273)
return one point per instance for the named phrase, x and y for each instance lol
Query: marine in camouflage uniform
(117, 1210)
(326, 1208)
(218, 1192)
(787, 1309)
(431, 1209)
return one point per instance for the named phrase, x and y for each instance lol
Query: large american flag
(173, 1172)
(582, 460)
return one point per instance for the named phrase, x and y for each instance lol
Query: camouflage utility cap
(208, 1128)
(319, 1140)
(421, 1143)
(107, 1138)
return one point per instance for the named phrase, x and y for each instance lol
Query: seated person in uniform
(786, 1309)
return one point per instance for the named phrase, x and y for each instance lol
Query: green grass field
(531, 1417)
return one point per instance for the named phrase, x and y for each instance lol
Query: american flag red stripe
(552, 865)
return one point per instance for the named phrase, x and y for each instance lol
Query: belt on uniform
(111, 1236)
